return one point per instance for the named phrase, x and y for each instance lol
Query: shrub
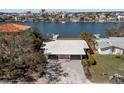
(117, 56)
(37, 39)
(84, 62)
(122, 57)
(86, 67)
(90, 59)
(17, 58)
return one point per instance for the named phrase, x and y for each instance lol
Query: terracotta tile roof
(13, 28)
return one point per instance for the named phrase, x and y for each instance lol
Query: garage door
(63, 56)
(75, 57)
(52, 57)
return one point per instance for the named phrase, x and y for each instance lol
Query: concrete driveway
(75, 73)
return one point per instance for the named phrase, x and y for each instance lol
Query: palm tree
(90, 40)
(86, 36)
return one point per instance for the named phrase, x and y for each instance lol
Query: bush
(117, 56)
(17, 57)
(91, 59)
(84, 62)
(37, 39)
(86, 67)
(122, 57)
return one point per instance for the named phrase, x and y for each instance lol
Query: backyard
(106, 66)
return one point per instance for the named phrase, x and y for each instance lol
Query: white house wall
(109, 51)
(105, 51)
(118, 51)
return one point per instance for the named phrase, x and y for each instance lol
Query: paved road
(75, 71)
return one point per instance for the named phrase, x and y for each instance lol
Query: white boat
(63, 22)
(55, 36)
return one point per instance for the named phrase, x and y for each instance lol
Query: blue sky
(68, 10)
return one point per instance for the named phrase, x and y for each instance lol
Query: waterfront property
(66, 49)
(111, 45)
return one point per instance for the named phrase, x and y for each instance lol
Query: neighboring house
(102, 18)
(111, 45)
(120, 18)
(66, 49)
(13, 28)
(75, 19)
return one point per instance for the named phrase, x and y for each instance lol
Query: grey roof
(111, 41)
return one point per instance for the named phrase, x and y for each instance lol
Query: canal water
(72, 29)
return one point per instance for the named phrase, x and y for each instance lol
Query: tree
(18, 61)
(89, 39)
(109, 32)
(86, 36)
(37, 39)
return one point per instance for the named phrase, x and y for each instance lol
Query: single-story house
(65, 49)
(111, 45)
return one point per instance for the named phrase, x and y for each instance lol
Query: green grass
(107, 64)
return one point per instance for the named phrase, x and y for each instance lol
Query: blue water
(72, 29)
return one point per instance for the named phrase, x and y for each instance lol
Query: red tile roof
(13, 28)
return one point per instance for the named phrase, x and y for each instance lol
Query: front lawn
(107, 65)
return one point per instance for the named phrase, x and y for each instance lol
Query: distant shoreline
(57, 22)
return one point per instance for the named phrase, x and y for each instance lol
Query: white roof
(104, 42)
(111, 41)
(66, 47)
